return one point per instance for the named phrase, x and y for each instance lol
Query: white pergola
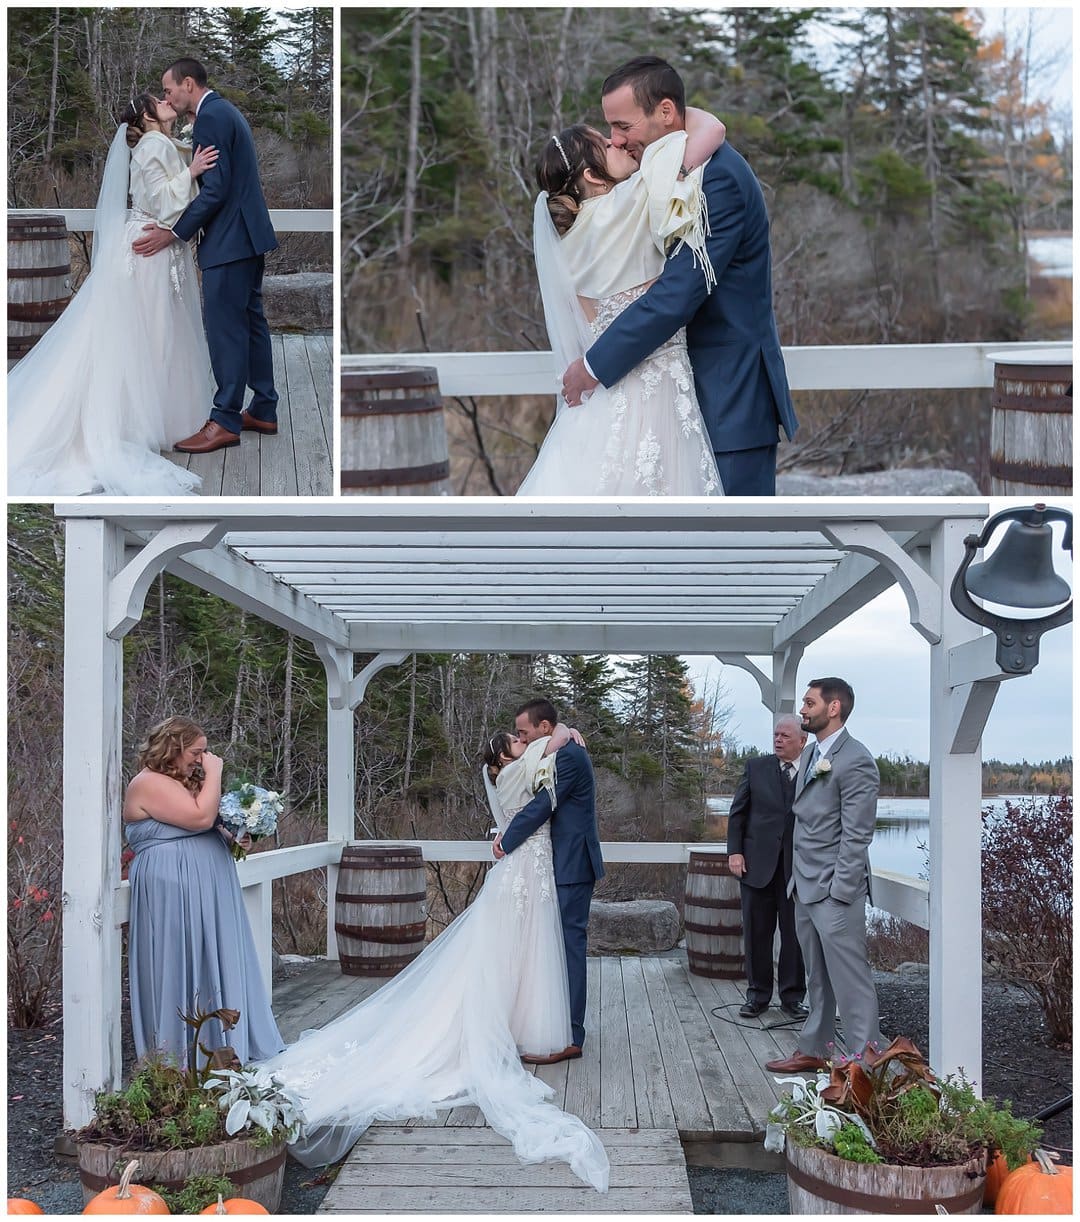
(751, 582)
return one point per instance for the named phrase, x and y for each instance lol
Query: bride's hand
(203, 159)
(576, 736)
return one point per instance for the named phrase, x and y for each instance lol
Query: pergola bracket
(128, 589)
(765, 684)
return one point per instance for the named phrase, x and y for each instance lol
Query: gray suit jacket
(834, 824)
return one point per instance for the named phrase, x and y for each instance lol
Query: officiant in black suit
(760, 827)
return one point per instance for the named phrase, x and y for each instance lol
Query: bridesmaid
(189, 941)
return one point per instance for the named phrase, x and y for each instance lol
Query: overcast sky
(888, 664)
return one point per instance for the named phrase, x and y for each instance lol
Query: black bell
(1020, 573)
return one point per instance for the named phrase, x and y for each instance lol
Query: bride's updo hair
(561, 167)
(495, 748)
(165, 744)
(135, 113)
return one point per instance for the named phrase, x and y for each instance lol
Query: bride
(125, 370)
(601, 232)
(449, 1030)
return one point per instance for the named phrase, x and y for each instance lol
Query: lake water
(903, 828)
(1053, 253)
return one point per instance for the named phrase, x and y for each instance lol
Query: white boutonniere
(821, 768)
(185, 134)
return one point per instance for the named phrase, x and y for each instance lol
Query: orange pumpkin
(20, 1205)
(997, 1171)
(1036, 1188)
(127, 1198)
(234, 1205)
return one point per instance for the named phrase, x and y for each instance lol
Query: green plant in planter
(891, 1108)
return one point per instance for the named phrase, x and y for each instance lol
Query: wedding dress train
(449, 1029)
(125, 371)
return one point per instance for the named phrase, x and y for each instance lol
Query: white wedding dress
(448, 1030)
(124, 371)
(644, 436)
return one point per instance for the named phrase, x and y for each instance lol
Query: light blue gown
(189, 943)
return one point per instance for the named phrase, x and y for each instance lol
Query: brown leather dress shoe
(209, 438)
(248, 421)
(798, 1062)
(569, 1053)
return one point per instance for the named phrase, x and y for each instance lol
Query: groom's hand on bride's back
(154, 240)
(497, 849)
(577, 383)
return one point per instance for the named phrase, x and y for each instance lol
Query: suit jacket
(575, 844)
(760, 822)
(834, 823)
(731, 332)
(230, 208)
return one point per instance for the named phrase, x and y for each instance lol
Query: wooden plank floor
(298, 461)
(669, 1072)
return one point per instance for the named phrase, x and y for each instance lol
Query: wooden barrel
(39, 285)
(822, 1183)
(713, 918)
(393, 433)
(1031, 433)
(257, 1171)
(380, 908)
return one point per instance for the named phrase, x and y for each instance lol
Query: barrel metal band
(1031, 473)
(389, 407)
(708, 867)
(35, 273)
(36, 311)
(709, 957)
(1033, 373)
(362, 965)
(715, 973)
(411, 897)
(389, 378)
(871, 1203)
(1059, 403)
(240, 1177)
(708, 901)
(395, 475)
(384, 933)
(384, 863)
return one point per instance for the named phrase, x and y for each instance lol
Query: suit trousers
(833, 939)
(763, 908)
(574, 900)
(239, 340)
(748, 472)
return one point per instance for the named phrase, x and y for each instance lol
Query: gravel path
(1020, 1065)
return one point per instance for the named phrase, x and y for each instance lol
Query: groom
(575, 850)
(731, 332)
(236, 235)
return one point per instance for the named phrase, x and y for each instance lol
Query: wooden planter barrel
(1031, 433)
(380, 909)
(713, 918)
(821, 1183)
(393, 432)
(39, 286)
(257, 1171)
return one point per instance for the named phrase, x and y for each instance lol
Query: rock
(633, 926)
(932, 481)
(300, 301)
(913, 971)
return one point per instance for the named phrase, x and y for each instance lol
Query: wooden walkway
(670, 1076)
(299, 460)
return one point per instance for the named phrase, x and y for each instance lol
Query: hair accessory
(562, 153)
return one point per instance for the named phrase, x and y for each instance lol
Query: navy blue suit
(575, 850)
(237, 233)
(731, 332)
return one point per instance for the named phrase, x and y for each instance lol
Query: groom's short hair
(836, 689)
(537, 711)
(183, 68)
(652, 79)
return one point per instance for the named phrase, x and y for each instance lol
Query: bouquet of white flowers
(250, 810)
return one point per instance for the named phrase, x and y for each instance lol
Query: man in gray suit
(835, 806)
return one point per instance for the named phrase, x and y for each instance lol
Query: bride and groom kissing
(653, 258)
(127, 368)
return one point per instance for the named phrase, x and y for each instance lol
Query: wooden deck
(670, 1076)
(299, 460)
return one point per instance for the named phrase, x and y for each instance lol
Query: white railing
(843, 367)
(284, 220)
(896, 893)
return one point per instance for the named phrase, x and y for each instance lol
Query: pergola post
(955, 837)
(93, 702)
(340, 769)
